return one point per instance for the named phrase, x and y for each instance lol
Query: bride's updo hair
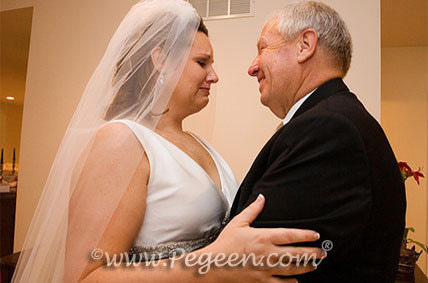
(134, 84)
(202, 27)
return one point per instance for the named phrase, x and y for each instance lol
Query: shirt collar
(295, 107)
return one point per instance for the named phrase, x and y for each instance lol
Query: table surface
(9, 195)
(420, 277)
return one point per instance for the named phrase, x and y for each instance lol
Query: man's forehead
(269, 28)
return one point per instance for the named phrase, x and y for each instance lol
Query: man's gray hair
(333, 34)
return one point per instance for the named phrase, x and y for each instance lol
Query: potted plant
(408, 256)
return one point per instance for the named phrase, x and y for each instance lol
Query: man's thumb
(247, 216)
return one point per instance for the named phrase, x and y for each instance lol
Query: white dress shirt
(295, 107)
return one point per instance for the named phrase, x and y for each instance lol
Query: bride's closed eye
(202, 63)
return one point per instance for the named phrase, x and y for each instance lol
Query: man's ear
(306, 44)
(157, 58)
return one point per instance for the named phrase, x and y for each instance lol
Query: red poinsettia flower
(418, 174)
(404, 169)
(407, 172)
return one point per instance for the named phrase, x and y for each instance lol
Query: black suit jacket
(331, 169)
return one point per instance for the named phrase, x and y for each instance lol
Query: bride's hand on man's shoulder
(269, 251)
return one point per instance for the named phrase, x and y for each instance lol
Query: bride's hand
(265, 244)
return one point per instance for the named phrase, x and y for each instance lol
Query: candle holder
(1, 166)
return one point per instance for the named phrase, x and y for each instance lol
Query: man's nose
(254, 67)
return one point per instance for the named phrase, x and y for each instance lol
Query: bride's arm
(108, 203)
(127, 219)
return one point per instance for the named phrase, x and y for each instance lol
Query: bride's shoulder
(113, 136)
(114, 128)
(112, 149)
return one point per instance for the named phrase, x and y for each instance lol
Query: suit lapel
(327, 89)
(324, 91)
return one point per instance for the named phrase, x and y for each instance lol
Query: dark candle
(13, 162)
(1, 166)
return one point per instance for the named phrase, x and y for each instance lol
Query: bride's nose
(212, 76)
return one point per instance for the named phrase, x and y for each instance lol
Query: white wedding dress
(185, 210)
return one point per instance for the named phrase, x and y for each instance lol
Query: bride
(128, 179)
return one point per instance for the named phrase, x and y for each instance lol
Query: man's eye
(202, 63)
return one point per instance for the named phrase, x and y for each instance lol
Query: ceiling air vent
(223, 9)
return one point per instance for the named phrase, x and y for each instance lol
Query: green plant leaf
(419, 244)
(405, 234)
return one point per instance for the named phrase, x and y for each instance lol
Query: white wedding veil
(127, 84)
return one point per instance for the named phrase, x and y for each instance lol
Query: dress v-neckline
(196, 163)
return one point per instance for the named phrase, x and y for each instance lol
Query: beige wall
(10, 130)
(405, 121)
(69, 38)
(15, 4)
(15, 26)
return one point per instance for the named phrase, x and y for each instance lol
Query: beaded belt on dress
(171, 249)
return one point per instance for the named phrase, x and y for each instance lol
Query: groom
(330, 168)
